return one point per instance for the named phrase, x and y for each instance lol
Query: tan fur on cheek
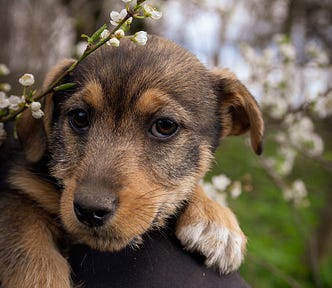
(205, 161)
(67, 206)
(139, 203)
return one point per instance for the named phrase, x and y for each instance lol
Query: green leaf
(84, 36)
(97, 34)
(65, 86)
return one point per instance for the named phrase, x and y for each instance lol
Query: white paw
(221, 247)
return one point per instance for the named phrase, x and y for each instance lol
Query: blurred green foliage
(279, 234)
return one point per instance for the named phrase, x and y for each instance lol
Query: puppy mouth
(118, 232)
(105, 238)
(109, 225)
(115, 234)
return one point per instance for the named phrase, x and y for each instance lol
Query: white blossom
(15, 102)
(4, 69)
(235, 189)
(279, 108)
(149, 11)
(37, 114)
(119, 34)
(140, 38)
(126, 1)
(35, 106)
(105, 34)
(287, 50)
(302, 135)
(285, 165)
(220, 182)
(27, 80)
(117, 17)
(4, 102)
(296, 193)
(36, 110)
(114, 42)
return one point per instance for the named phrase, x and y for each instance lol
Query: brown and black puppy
(117, 155)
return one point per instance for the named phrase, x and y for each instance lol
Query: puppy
(119, 154)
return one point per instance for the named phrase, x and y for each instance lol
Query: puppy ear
(33, 133)
(239, 110)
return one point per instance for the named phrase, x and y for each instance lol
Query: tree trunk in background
(35, 35)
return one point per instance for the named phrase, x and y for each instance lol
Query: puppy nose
(92, 216)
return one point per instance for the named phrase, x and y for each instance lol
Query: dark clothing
(160, 262)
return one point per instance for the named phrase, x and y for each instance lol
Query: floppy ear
(239, 110)
(33, 133)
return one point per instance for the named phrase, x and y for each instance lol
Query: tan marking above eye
(93, 95)
(153, 100)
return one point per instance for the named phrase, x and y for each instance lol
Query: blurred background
(281, 50)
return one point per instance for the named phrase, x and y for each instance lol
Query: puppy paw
(223, 248)
(212, 230)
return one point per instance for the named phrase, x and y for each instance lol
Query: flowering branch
(12, 107)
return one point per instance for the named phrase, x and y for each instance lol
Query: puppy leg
(212, 230)
(28, 255)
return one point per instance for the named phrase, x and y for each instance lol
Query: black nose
(92, 216)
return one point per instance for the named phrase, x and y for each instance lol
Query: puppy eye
(164, 128)
(79, 120)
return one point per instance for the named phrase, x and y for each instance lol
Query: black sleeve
(160, 262)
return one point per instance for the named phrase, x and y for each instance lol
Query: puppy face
(131, 140)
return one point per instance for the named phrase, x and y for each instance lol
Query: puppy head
(131, 140)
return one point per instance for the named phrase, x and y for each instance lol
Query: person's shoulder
(160, 262)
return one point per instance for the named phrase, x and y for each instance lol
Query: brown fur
(117, 166)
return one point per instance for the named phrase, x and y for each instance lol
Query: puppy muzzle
(94, 206)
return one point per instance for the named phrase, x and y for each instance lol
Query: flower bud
(114, 42)
(37, 114)
(35, 106)
(119, 34)
(140, 38)
(27, 80)
(151, 12)
(104, 34)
